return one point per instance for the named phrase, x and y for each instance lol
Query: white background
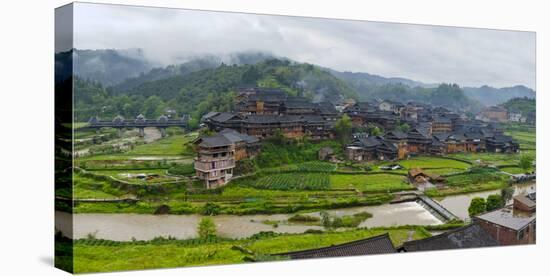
(26, 146)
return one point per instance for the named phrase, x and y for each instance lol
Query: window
(520, 235)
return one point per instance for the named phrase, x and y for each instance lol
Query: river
(458, 204)
(124, 227)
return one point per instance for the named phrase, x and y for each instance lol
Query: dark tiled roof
(262, 119)
(369, 142)
(313, 118)
(235, 136)
(210, 115)
(215, 141)
(273, 95)
(299, 104)
(474, 135)
(375, 245)
(387, 147)
(442, 120)
(442, 136)
(326, 108)
(470, 236)
(223, 117)
(397, 134)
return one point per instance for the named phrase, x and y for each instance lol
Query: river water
(123, 227)
(458, 204)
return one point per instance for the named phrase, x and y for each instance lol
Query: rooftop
(527, 200)
(374, 245)
(214, 141)
(470, 236)
(509, 217)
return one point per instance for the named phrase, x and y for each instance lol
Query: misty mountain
(109, 66)
(494, 96)
(192, 65)
(362, 81)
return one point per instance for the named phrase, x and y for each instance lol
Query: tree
(404, 127)
(211, 209)
(507, 193)
(526, 162)
(494, 202)
(343, 129)
(477, 206)
(325, 219)
(207, 228)
(375, 131)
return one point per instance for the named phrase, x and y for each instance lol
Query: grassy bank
(99, 256)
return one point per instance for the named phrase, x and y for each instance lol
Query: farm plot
(426, 162)
(294, 181)
(150, 176)
(369, 182)
(316, 166)
(313, 166)
(497, 159)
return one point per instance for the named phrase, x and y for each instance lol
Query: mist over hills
(493, 96)
(129, 73)
(110, 66)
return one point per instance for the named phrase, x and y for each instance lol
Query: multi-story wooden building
(215, 161)
(495, 114)
(217, 156)
(441, 124)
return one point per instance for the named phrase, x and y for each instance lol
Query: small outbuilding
(326, 153)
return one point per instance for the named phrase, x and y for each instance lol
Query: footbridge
(140, 122)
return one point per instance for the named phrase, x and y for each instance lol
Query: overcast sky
(431, 54)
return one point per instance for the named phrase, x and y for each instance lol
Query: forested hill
(371, 87)
(192, 65)
(210, 89)
(523, 105)
(495, 96)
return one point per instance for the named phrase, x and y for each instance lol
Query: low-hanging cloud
(431, 54)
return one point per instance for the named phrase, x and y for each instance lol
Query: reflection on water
(458, 204)
(144, 227)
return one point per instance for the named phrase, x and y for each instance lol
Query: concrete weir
(435, 208)
(431, 205)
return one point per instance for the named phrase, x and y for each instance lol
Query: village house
(217, 156)
(391, 106)
(328, 111)
(297, 106)
(419, 176)
(441, 124)
(513, 224)
(495, 114)
(374, 148)
(501, 144)
(409, 113)
(260, 101)
(515, 116)
(419, 140)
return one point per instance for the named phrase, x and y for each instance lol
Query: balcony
(214, 165)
